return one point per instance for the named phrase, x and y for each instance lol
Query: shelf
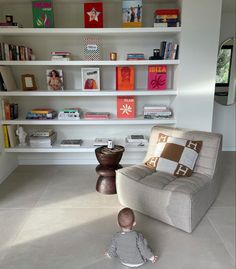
(102, 93)
(89, 63)
(89, 31)
(87, 146)
(136, 121)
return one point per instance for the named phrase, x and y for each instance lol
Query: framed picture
(90, 79)
(55, 80)
(28, 82)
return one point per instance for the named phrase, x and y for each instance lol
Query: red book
(157, 77)
(125, 78)
(167, 11)
(125, 107)
(93, 15)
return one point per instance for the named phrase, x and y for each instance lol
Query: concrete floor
(52, 217)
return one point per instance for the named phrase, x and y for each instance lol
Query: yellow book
(6, 138)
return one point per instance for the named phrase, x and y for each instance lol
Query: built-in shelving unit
(115, 38)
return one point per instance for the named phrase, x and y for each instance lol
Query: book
(43, 141)
(90, 79)
(132, 13)
(125, 107)
(43, 14)
(71, 142)
(7, 78)
(157, 77)
(13, 139)
(125, 78)
(97, 115)
(136, 139)
(100, 142)
(42, 132)
(93, 15)
(5, 137)
(92, 49)
(55, 79)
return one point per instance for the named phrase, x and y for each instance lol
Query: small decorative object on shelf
(132, 13)
(7, 82)
(43, 14)
(90, 79)
(156, 55)
(110, 144)
(9, 23)
(93, 15)
(125, 107)
(166, 18)
(92, 49)
(125, 78)
(28, 82)
(55, 80)
(21, 135)
(70, 114)
(157, 77)
(113, 56)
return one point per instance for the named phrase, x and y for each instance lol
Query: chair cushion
(176, 156)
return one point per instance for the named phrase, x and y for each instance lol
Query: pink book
(157, 77)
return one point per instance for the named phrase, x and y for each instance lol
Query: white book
(8, 78)
(136, 139)
(100, 142)
(71, 142)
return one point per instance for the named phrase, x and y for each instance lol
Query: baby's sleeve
(143, 247)
(112, 248)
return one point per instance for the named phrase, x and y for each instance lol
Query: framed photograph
(90, 79)
(55, 80)
(28, 82)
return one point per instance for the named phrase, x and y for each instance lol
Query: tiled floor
(52, 217)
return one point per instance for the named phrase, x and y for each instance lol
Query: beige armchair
(177, 201)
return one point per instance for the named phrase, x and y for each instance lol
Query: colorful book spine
(5, 137)
(157, 77)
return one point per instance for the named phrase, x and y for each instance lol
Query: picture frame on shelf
(55, 80)
(90, 78)
(28, 82)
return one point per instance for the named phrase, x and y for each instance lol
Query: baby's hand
(153, 259)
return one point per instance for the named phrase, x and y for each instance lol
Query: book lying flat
(71, 142)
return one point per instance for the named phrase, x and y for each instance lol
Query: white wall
(224, 116)
(198, 55)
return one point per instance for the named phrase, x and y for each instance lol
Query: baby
(130, 246)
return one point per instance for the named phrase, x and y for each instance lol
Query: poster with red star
(93, 15)
(125, 107)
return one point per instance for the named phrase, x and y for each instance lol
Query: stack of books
(100, 142)
(70, 114)
(167, 18)
(42, 139)
(97, 115)
(60, 56)
(156, 111)
(135, 56)
(41, 114)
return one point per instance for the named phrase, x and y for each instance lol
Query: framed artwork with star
(93, 15)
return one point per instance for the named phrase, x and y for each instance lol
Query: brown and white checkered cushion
(174, 155)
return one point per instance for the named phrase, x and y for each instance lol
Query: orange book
(125, 78)
(125, 107)
(7, 110)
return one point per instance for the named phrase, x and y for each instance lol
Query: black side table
(109, 162)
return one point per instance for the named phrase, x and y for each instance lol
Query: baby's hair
(126, 218)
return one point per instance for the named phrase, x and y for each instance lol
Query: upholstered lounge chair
(177, 201)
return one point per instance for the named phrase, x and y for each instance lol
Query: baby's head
(126, 218)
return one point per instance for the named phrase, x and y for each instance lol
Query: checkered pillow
(176, 156)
